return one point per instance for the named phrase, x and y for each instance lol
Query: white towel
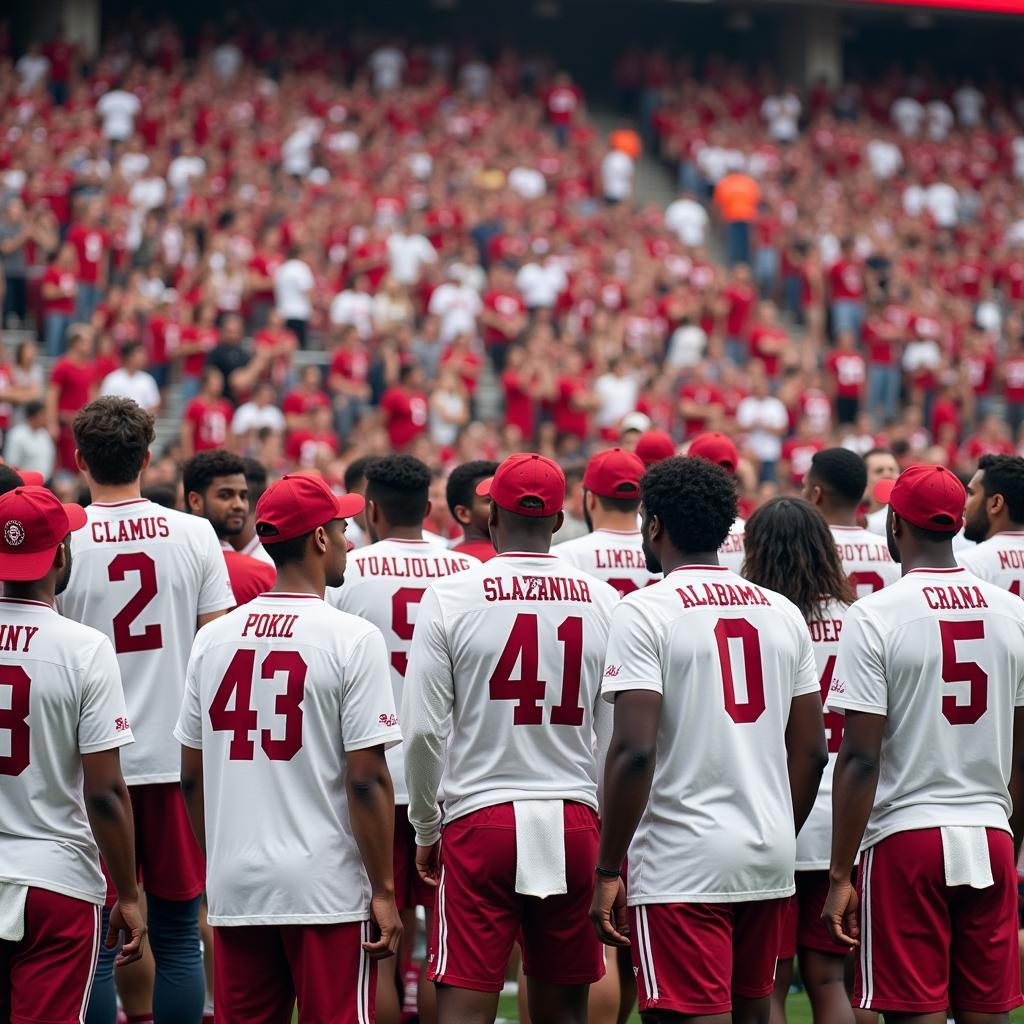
(540, 848)
(12, 911)
(965, 854)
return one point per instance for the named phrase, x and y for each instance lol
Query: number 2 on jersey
(151, 638)
(523, 646)
(241, 720)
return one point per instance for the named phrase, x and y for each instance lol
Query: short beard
(586, 517)
(653, 564)
(971, 526)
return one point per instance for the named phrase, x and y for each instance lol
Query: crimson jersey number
(1015, 588)
(523, 646)
(866, 582)
(954, 671)
(626, 586)
(400, 624)
(750, 710)
(151, 638)
(834, 721)
(14, 719)
(241, 720)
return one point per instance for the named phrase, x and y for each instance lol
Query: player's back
(384, 584)
(526, 636)
(141, 574)
(814, 843)
(276, 694)
(1000, 560)
(941, 655)
(614, 556)
(733, 549)
(866, 559)
(61, 697)
(728, 658)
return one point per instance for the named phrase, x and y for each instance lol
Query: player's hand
(388, 925)
(426, 863)
(127, 926)
(840, 914)
(608, 911)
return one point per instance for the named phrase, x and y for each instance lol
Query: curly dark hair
(694, 499)
(463, 481)
(790, 549)
(204, 467)
(113, 436)
(400, 485)
(1004, 474)
(841, 474)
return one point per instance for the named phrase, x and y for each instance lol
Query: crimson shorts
(259, 971)
(802, 928)
(925, 946)
(170, 863)
(693, 958)
(410, 889)
(48, 975)
(479, 916)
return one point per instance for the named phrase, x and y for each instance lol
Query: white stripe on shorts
(363, 979)
(97, 920)
(442, 930)
(866, 966)
(646, 953)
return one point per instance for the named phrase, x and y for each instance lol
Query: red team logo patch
(389, 720)
(612, 671)
(121, 725)
(14, 533)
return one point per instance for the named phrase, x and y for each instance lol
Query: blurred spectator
(130, 380)
(28, 445)
(72, 385)
(59, 290)
(736, 196)
(293, 291)
(204, 423)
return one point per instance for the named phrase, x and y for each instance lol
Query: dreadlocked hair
(789, 548)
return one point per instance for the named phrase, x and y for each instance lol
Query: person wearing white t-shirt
(617, 172)
(63, 793)
(409, 254)
(261, 411)
(765, 420)
(790, 549)
(714, 761)
(929, 782)
(541, 283)
(835, 485)
(612, 551)
(354, 307)
(131, 381)
(908, 115)
(527, 182)
(688, 220)
(283, 727)
(387, 64)
(781, 113)
(458, 306)
(618, 391)
(970, 103)
(32, 67)
(118, 108)
(884, 158)
(943, 203)
(148, 577)
(994, 519)
(502, 697)
(384, 584)
(185, 168)
(293, 293)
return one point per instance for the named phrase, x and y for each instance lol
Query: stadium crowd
(459, 245)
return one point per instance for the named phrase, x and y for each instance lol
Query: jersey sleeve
(427, 704)
(103, 719)
(368, 717)
(189, 730)
(633, 660)
(215, 593)
(858, 683)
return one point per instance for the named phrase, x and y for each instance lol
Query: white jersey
(503, 688)
(941, 655)
(615, 556)
(384, 584)
(728, 658)
(732, 552)
(866, 559)
(277, 692)
(142, 574)
(814, 843)
(1000, 560)
(60, 698)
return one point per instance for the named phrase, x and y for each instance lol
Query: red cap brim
(484, 487)
(350, 505)
(76, 517)
(883, 491)
(33, 566)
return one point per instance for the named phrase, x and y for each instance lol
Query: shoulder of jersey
(998, 598)
(80, 637)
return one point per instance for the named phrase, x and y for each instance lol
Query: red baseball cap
(526, 475)
(30, 478)
(298, 504)
(930, 497)
(33, 524)
(655, 446)
(614, 473)
(716, 448)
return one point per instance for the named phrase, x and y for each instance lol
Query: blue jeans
(55, 326)
(847, 315)
(180, 988)
(766, 271)
(190, 387)
(883, 392)
(737, 242)
(89, 296)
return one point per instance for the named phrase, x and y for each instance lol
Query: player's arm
(1016, 785)
(110, 817)
(192, 792)
(427, 705)
(806, 748)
